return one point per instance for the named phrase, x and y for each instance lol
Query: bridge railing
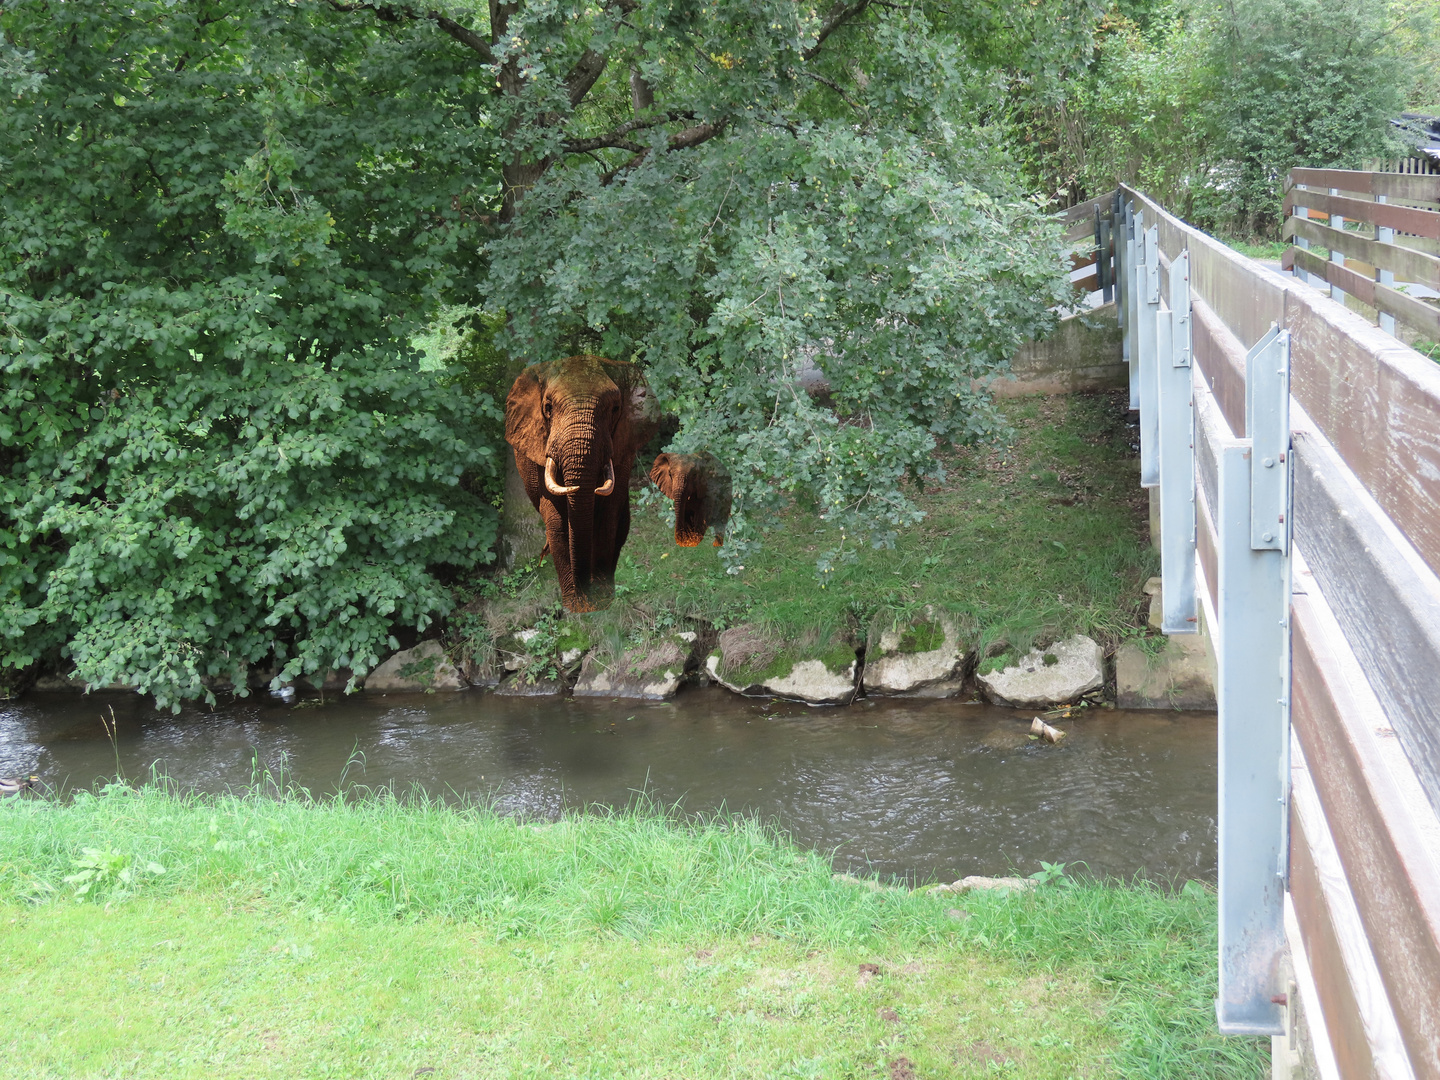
(1382, 232)
(1296, 449)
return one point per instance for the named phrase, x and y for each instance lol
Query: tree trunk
(522, 531)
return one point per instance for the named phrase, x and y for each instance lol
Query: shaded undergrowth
(1029, 540)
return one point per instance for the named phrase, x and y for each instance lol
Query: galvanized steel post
(1177, 455)
(1144, 371)
(1134, 243)
(1253, 695)
(1385, 277)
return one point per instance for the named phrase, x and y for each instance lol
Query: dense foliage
(752, 189)
(218, 232)
(224, 225)
(1207, 105)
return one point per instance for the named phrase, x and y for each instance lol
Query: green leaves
(877, 264)
(217, 448)
(1207, 105)
(112, 875)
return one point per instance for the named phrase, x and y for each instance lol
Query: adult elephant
(576, 425)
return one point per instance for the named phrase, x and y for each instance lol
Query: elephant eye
(546, 408)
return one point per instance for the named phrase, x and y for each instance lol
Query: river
(921, 789)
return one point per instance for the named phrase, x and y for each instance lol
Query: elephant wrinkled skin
(575, 425)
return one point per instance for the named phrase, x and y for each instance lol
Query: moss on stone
(997, 663)
(571, 635)
(927, 635)
(839, 660)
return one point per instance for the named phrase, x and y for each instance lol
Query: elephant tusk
(609, 485)
(552, 482)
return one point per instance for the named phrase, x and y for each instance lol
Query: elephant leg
(558, 541)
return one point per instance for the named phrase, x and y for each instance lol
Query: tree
(221, 224)
(224, 223)
(728, 192)
(1207, 105)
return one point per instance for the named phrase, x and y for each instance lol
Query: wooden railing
(1382, 230)
(1322, 609)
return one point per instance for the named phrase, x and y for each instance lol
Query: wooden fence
(1381, 230)
(1296, 448)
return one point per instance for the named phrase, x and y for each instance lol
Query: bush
(1207, 106)
(217, 447)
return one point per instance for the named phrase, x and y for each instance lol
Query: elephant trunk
(582, 470)
(582, 540)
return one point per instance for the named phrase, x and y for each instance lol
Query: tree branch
(681, 140)
(694, 136)
(394, 13)
(584, 146)
(837, 17)
(465, 36)
(617, 136)
(583, 75)
(833, 85)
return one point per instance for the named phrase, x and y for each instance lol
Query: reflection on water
(926, 789)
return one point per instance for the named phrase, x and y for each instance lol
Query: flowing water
(922, 789)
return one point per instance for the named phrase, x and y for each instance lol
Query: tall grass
(642, 872)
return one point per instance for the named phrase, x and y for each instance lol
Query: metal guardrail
(1296, 451)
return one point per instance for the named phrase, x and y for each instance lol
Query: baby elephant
(700, 487)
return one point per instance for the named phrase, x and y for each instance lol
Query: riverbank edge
(621, 879)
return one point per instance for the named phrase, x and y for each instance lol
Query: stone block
(425, 667)
(517, 685)
(652, 673)
(1043, 678)
(747, 662)
(1176, 678)
(923, 654)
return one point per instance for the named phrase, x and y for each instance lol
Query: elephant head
(575, 425)
(700, 487)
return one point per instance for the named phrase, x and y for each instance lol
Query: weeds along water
(646, 876)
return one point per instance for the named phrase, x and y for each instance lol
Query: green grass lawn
(153, 935)
(1037, 537)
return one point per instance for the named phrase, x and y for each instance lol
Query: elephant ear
(524, 422)
(668, 475)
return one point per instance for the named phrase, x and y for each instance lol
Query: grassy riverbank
(148, 934)
(1035, 538)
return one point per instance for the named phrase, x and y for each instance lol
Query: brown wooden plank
(1082, 258)
(1412, 312)
(1362, 1031)
(1388, 609)
(1391, 873)
(1221, 357)
(1391, 185)
(1404, 218)
(1378, 403)
(1338, 1004)
(1407, 264)
(1245, 295)
(1086, 285)
(1083, 228)
(1087, 209)
(1334, 273)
